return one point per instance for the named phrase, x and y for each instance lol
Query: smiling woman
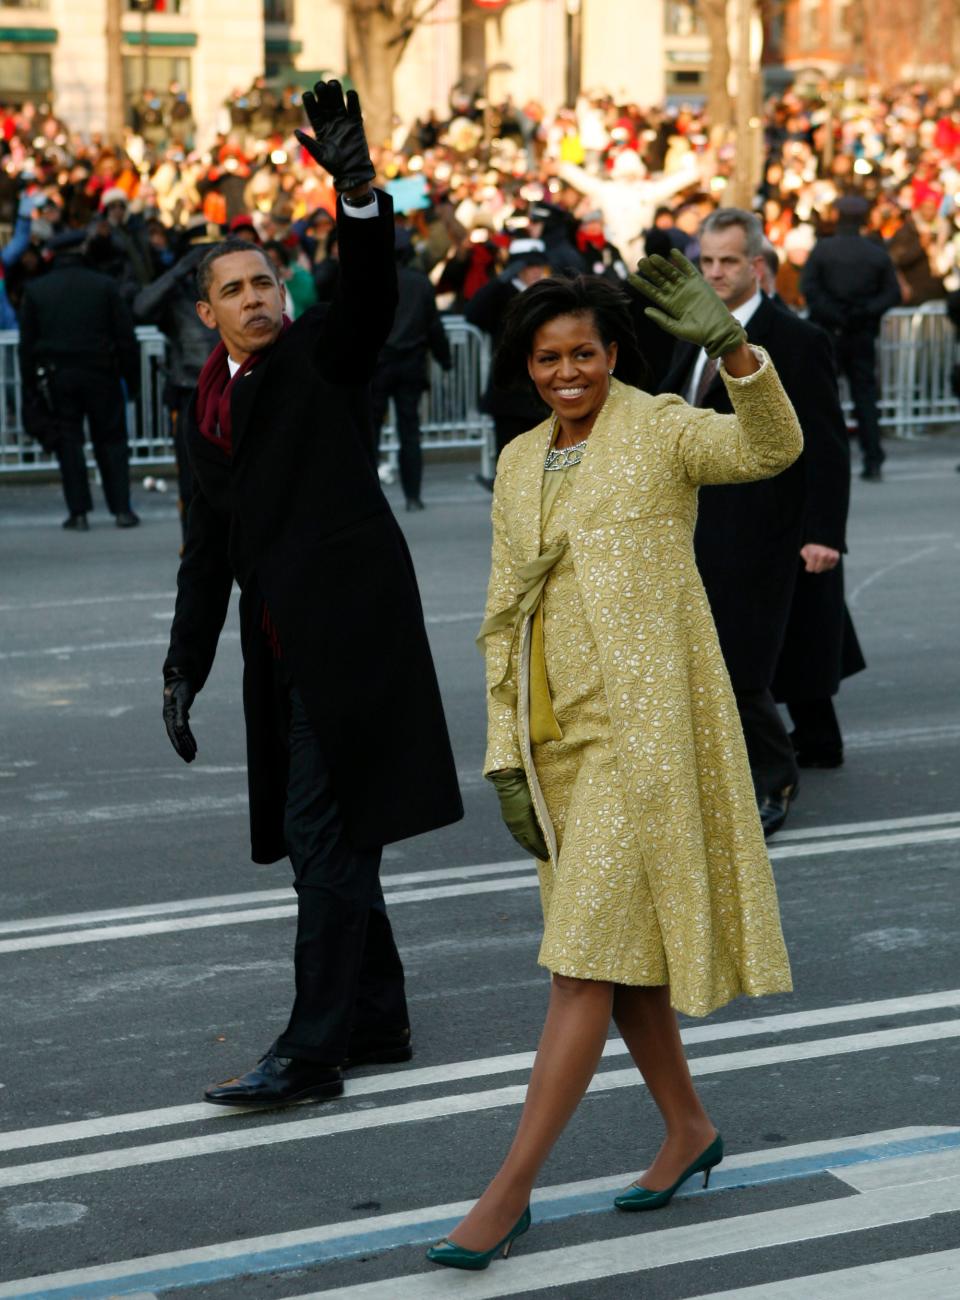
(614, 742)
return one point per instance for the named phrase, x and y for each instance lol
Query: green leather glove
(686, 306)
(516, 809)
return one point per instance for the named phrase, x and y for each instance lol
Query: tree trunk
(376, 39)
(719, 107)
(114, 106)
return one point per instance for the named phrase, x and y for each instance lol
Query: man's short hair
(224, 249)
(748, 222)
(771, 257)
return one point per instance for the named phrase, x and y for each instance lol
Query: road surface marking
(817, 848)
(277, 1251)
(482, 1068)
(921, 1277)
(639, 1253)
(393, 879)
(333, 1124)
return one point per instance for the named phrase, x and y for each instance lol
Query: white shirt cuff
(365, 212)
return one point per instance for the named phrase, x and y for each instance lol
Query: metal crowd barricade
(450, 410)
(450, 414)
(146, 418)
(917, 352)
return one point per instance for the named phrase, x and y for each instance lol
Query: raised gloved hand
(340, 146)
(516, 809)
(178, 695)
(685, 305)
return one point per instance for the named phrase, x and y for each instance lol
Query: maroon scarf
(215, 389)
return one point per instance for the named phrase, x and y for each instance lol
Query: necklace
(564, 457)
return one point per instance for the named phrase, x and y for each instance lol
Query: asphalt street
(142, 956)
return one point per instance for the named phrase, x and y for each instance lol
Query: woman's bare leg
(574, 1034)
(648, 1025)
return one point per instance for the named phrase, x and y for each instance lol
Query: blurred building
(545, 50)
(882, 41)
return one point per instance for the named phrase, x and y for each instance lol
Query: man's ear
(205, 312)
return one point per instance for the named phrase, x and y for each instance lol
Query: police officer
(77, 331)
(849, 282)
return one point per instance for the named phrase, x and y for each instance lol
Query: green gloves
(516, 809)
(686, 306)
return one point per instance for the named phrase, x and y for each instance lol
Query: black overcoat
(748, 536)
(297, 516)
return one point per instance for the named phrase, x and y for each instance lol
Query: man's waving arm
(359, 319)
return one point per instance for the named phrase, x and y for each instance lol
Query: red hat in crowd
(243, 222)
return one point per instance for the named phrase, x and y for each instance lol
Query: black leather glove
(340, 146)
(518, 813)
(178, 695)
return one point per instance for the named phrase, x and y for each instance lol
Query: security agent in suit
(402, 368)
(820, 646)
(514, 411)
(849, 282)
(76, 334)
(748, 537)
(347, 746)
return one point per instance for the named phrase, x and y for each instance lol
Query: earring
(609, 372)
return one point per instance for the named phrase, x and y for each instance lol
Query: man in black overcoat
(514, 411)
(849, 281)
(749, 536)
(347, 746)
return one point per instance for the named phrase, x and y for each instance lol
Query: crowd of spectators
(599, 183)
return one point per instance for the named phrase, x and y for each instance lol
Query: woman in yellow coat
(614, 740)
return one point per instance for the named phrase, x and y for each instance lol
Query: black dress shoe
(76, 523)
(774, 809)
(127, 519)
(414, 503)
(872, 474)
(386, 1049)
(278, 1081)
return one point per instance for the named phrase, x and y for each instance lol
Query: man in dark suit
(347, 747)
(77, 343)
(849, 281)
(749, 536)
(514, 411)
(402, 372)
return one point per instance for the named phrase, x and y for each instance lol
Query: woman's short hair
(581, 295)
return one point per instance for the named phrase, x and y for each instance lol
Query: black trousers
(178, 402)
(349, 977)
(856, 357)
(816, 728)
(769, 749)
(403, 381)
(98, 397)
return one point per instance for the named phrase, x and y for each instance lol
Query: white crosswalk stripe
(851, 1183)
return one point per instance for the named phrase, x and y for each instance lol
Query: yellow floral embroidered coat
(658, 870)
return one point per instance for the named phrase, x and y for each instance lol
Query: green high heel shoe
(644, 1198)
(450, 1255)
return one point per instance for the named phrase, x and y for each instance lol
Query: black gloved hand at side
(178, 695)
(339, 146)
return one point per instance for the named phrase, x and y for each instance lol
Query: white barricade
(916, 354)
(450, 410)
(146, 418)
(918, 350)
